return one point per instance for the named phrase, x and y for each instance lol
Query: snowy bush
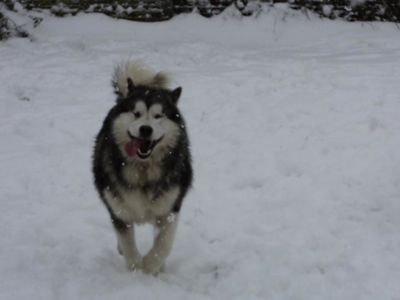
(4, 31)
(353, 10)
(382, 10)
(160, 10)
(141, 10)
(8, 27)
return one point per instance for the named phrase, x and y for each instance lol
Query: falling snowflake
(171, 218)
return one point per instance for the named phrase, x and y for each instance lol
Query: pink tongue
(132, 147)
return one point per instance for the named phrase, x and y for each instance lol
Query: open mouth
(140, 147)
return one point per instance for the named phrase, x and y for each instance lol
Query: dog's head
(147, 122)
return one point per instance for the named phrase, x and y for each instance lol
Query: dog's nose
(145, 131)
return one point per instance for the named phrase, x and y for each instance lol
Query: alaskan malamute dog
(142, 164)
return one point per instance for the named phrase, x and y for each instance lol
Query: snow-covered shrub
(249, 7)
(8, 27)
(352, 10)
(381, 10)
(159, 10)
(4, 30)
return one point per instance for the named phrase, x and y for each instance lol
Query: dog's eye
(157, 116)
(136, 114)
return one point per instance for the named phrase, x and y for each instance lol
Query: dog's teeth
(144, 153)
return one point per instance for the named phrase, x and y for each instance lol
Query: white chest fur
(140, 207)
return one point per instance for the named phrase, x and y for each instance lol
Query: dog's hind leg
(163, 268)
(119, 249)
(154, 261)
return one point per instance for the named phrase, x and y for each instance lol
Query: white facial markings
(156, 112)
(147, 117)
(163, 128)
(156, 109)
(140, 113)
(120, 128)
(159, 127)
(140, 108)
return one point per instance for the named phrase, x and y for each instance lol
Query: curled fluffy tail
(140, 74)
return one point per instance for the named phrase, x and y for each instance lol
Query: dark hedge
(160, 10)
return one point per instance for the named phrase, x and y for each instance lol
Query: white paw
(134, 263)
(152, 264)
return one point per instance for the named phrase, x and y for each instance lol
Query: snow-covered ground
(295, 130)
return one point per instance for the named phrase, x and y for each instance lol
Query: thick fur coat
(142, 164)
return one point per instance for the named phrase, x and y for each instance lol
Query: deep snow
(295, 133)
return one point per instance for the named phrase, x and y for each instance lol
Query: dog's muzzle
(140, 147)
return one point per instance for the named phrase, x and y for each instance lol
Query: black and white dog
(142, 164)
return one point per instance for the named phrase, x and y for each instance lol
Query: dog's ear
(131, 86)
(175, 95)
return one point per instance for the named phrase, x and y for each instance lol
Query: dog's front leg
(154, 261)
(127, 245)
